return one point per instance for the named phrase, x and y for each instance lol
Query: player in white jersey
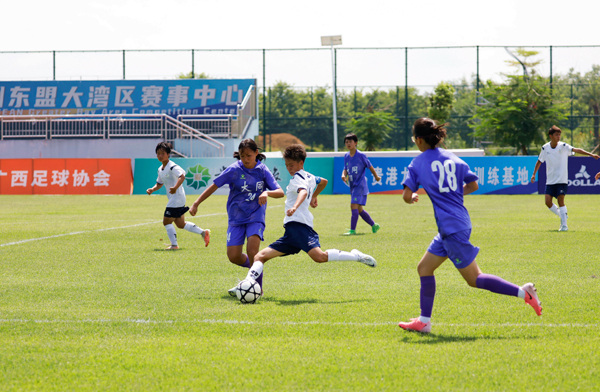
(299, 235)
(172, 175)
(556, 155)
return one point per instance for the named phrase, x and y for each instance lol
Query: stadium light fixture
(331, 40)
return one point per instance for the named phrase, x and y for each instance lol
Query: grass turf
(99, 305)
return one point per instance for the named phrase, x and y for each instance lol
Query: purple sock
(497, 285)
(247, 263)
(354, 219)
(366, 217)
(427, 295)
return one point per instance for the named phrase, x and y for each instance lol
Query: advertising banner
(172, 97)
(582, 171)
(65, 176)
(497, 175)
(201, 172)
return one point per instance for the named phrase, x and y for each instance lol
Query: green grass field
(90, 301)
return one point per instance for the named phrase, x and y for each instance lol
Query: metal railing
(107, 127)
(226, 125)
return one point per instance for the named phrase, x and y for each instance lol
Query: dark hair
(553, 130)
(295, 152)
(351, 136)
(166, 147)
(250, 144)
(428, 130)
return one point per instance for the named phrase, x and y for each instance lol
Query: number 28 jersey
(442, 175)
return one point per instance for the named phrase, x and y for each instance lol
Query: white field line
(106, 229)
(290, 323)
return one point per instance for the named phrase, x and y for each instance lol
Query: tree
(440, 102)
(372, 128)
(191, 75)
(518, 112)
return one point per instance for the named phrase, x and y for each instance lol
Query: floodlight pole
(333, 40)
(335, 135)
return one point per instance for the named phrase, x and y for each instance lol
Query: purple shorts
(237, 234)
(456, 247)
(357, 198)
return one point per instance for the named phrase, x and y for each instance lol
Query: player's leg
(366, 217)
(562, 212)
(551, 206)
(192, 228)
(426, 268)
(171, 233)
(339, 255)
(353, 219)
(252, 247)
(260, 259)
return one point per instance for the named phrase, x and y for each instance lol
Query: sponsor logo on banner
(197, 177)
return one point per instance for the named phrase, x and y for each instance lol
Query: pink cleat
(206, 236)
(531, 298)
(416, 325)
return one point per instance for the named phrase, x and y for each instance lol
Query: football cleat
(415, 325)
(531, 297)
(363, 258)
(206, 236)
(375, 228)
(172, 247)
(563, 228)
(350, 232)
(232, 291)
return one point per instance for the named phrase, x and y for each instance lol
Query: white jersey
(301, 180)
(168, 177)
(557, 158)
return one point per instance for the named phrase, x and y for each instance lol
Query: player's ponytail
(428, 130)
(251, 144)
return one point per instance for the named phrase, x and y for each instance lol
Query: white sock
(192, 228)
(255, 270)
(563, 215)
(340, 255)
(554, 209)
(521, 293)
(424, 319)
(172, 234)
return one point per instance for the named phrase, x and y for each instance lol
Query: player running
(173, 175)
(301, 192)
(556, 156)
(355, 165)
(250, 184)
(442, 174)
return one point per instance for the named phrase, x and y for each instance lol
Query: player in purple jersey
(355, 165)
(250, 184)
(442, 174)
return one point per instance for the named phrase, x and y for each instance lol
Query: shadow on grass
(417, 338)
(284, 302)
(353, 235)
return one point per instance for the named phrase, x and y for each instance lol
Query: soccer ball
(248, 291)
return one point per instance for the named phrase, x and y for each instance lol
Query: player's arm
(583, 152)
(345, 175)
(408, 196)
(207, 192)
(276, 194)
(302, 193)
(597, 176)
(156, 187)
(374, 173)
(173, 189)
(537, 167)
(470, 187)
(318, 189)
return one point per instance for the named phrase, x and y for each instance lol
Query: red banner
(65, 176)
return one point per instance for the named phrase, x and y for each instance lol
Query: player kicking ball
(301, 193)
(442, 174)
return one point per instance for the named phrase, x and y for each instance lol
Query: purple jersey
(245, 186)
(442, 174)
(356, 167)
